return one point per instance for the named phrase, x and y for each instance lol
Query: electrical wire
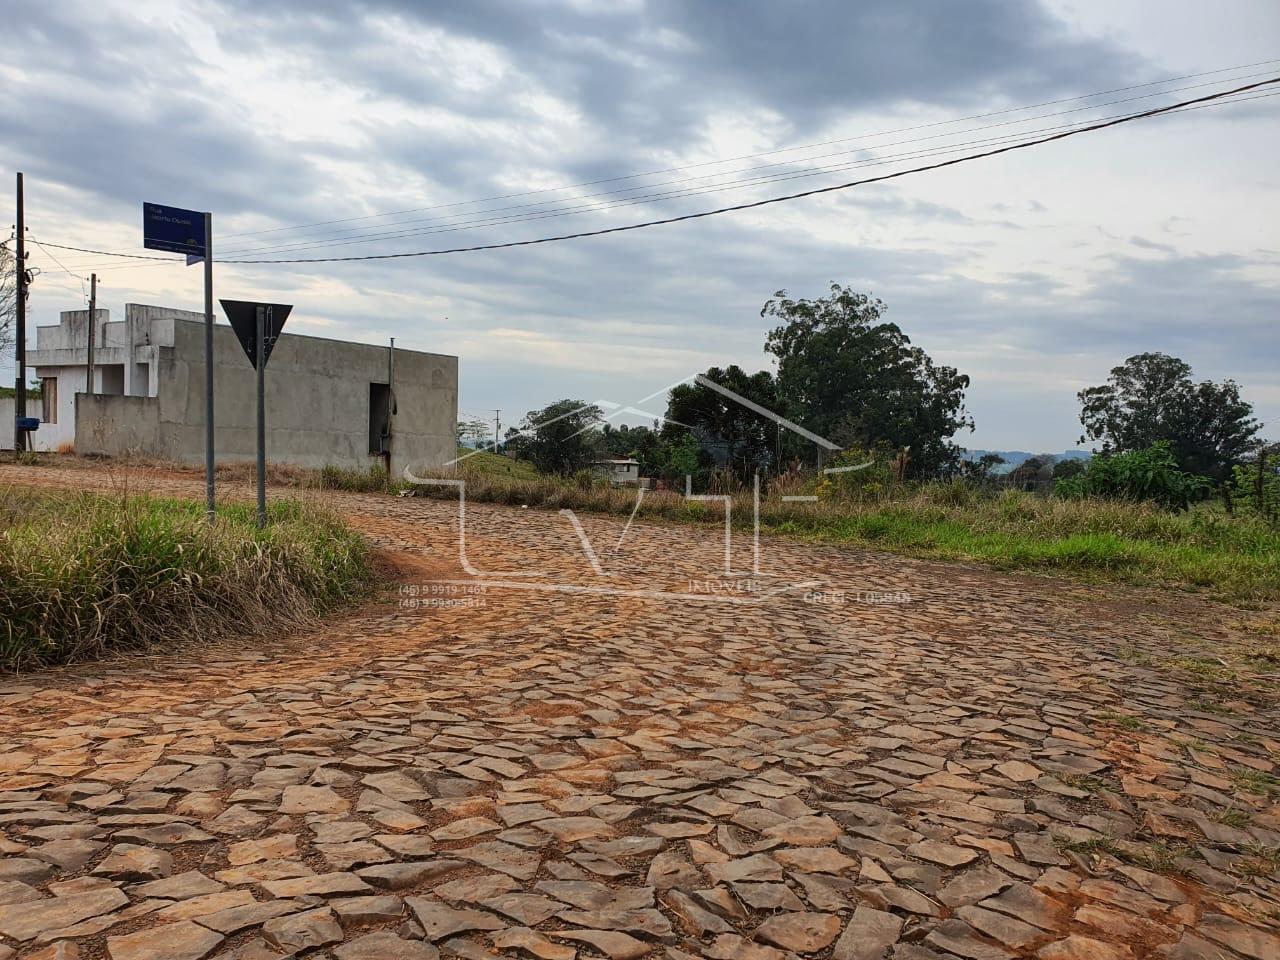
(765, 153)
(688, 192)
(312, 243)
(83, 292)
(339, 240)
(794, 196)
(486, 220)
(1209, 99)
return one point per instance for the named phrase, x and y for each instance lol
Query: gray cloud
(120, 109)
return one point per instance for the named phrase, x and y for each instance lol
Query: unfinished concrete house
(328, 401)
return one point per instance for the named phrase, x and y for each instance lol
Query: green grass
(1234, 559)
(477, 464)
(1237, 560)
(1124, 721)
(484, 463)
(373, 479)
(1084, 782)
(82, 574)
(1232, 817)
(1255, 781)
(1156, 855)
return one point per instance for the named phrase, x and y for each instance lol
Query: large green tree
(559, 438)
(731, 432)
(626, 441)
(473, 431)
(640, 443)
(847, 374)
(1151, 397)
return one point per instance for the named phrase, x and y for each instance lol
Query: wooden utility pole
(496, 427)
(20, 323)
(93, 313)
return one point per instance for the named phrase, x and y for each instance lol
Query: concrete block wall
(318, 394)
(120, 426)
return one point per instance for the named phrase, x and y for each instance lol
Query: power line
(685, 192)
(485, 217)
(484, 221)
(763, 153)
(935, 151)
(1208, 100)
(313, 242)
(678, 193)
(794, 196)
(61, 265)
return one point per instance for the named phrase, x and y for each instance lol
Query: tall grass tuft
(83, 574)
(373, 479)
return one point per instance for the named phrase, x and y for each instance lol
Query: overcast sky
(1033, 272)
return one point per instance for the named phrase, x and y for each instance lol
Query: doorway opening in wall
(49, 400)
(379, 417)
(112, 383)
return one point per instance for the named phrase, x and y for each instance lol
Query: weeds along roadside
(1233, 558)
(86, 574)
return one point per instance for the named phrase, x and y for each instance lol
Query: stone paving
(993, 767)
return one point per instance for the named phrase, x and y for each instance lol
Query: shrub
(1140, 475)
(83, 574)
(724, 482)
(1236, 557)
(953, 493)
(1256, 484)
(372, 480)
(1069, 467)
(870, 479)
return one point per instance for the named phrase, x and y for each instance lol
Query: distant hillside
(487, 463)
(1014, 458)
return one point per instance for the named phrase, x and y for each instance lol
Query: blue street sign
(173, 229)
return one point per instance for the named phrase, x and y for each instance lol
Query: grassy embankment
(1236, 559)
(477, 463)
(83, 574)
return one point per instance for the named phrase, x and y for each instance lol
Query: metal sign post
(260, 361)
(257, 327)
(176, 230)
(209, 498)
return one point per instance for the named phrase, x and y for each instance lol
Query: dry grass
(83, 574)
(1236, 559)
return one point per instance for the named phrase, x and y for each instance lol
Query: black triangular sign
(243, 315)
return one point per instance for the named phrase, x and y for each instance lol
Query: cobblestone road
(891, 758)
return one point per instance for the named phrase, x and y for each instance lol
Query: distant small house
(625, 472)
